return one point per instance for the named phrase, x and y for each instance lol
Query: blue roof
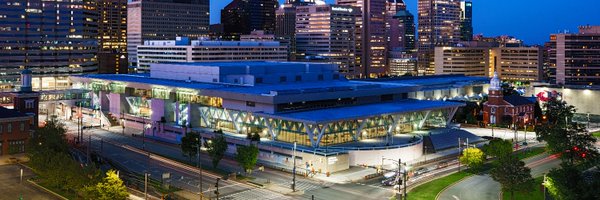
(247, 63)
(146, 79)
(363, 111)
(432, 80)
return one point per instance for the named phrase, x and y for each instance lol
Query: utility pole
(217, 186)
(145, 186)
(294, 169)
(459, 154)
(88, 148)
(400, 172)
(21, 180)
(198, 163)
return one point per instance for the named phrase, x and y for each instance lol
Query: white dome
(495, 82)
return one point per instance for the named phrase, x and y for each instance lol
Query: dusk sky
(530, 20)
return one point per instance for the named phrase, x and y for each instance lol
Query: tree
(565, 136)
(189, 144)
(472, 157)
(247, 156)
(216, 148)
(111, 188)
(498, 148)
(512, 174)
(507, 120)
(568, 183)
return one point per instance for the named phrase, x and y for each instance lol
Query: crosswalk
(308, 186)
(256, 194)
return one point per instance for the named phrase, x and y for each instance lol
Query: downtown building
(285, 23)
(112, 37)
(240, 17)
(517, 64)
(575, 58)
(54, 39)
(439, 25)
(164, 20)
(325, 33)
(466, 20)
(371, 44)
(185, 50)
(333, 120)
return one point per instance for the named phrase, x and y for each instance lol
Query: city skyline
(542, 21)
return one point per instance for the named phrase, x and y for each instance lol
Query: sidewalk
(12, 159)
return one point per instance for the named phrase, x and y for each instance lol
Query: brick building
(14, 131)
(500, 108)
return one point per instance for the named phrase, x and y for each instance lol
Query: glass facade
(51, 38)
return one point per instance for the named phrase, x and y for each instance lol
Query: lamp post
(402, 170)
(198, 162)
(294, 168)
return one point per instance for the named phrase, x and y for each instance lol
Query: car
(420, 171)
(389, 181)
(442, 165)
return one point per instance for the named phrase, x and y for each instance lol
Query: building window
(320, 77)
(22, 126)
(298, 78)
(282, 79)
(493, 110)
(29, 104)
(9, 128)
(250, 103)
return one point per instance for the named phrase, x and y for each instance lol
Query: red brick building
(499, 108)
(14, 131)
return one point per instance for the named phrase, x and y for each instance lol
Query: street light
(294, 168)
(199, 140)
(401, 171)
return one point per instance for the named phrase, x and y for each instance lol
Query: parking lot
(12, 188)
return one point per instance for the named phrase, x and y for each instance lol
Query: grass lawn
(536, 194)
(530, 152)
(596, 134)
(429, 190)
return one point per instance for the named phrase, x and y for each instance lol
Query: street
(11, 186)
(483, 187)
(128, 151)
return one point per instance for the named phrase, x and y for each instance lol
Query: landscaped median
(430, 190)
(537, 194)
(596, 134)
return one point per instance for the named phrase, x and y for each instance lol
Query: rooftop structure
(185, 50)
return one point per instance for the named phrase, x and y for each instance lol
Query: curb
(47, 190)
(453, 184)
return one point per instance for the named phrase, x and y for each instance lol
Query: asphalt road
(127, 151)
(12, 188)
(483, 187)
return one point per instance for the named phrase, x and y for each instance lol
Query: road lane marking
(455, 197)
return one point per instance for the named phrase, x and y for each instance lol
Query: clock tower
(25, 100)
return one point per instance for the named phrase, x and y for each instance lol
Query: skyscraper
(407, 34)
(285, 23)
(241, 17)
(53, 39)
(439, 25)
(574, 57)
(325, 33)
(164, 20)
(393, 27)
(370, 37)
(466, 20)
(112, 36)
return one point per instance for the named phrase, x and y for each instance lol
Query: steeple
(495, 83)
(26, 80)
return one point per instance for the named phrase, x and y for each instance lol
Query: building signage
(341, 9)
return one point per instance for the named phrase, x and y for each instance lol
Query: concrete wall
(584, 100)
(373, 157)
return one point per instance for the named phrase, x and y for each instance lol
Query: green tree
(247, 156)
(512, 174)
(472, 157)
(216, 148)
(563, 135)
(568, 183)
(111, 188)
(498, 148)
(189, 144)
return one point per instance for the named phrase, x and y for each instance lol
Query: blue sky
(530, 20)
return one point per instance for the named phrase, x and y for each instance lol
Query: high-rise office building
(439, 25)
(164, 20)
(470, 61)
(285, 22)
(466, 20)
(574, 57)
(407, 34)
(370, 36)
(53, 39)
(241, 17)
(112, 36)
(517, 63)
(325, 33)
(393, 27)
